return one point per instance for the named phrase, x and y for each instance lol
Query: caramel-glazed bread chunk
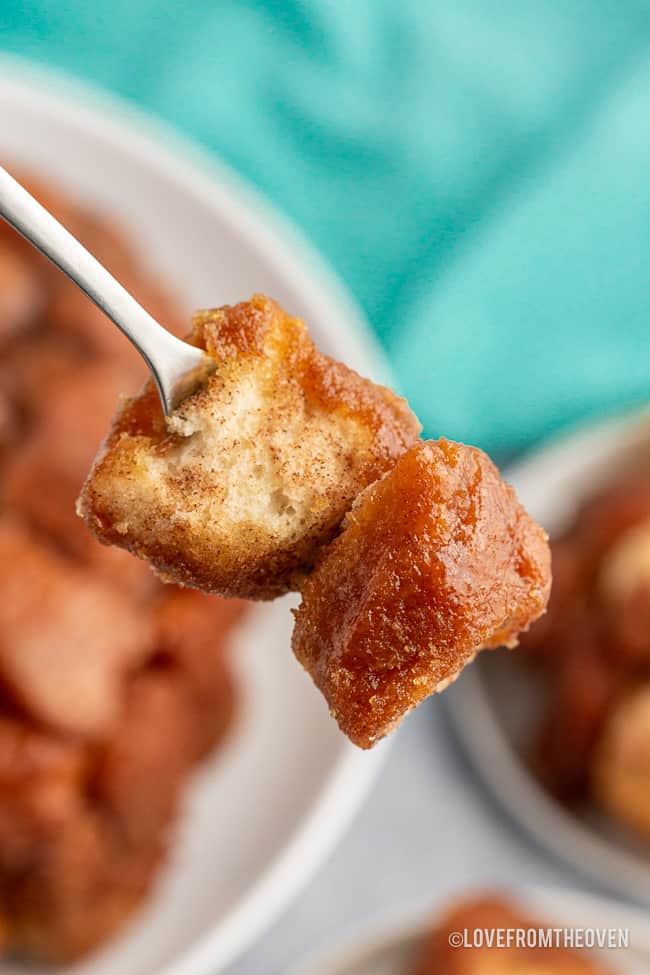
(435, 562)
(440, 955)
(238, 490)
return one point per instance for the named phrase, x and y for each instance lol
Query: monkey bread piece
(80, 890)
(193, 632)
(143, 765)
(626, 565)
(621, 765)
(67, 640)
(436, 561)
(444, 951)
(585, 684)
(236, 493)
(9, 421)
(42, 476)
(35, 369)
(41, 777)
(624, 591)
(41, 483)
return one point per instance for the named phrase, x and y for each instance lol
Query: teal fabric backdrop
(478, 171)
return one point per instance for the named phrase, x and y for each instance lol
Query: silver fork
(177, 368)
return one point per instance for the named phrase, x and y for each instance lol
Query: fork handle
(169, 359)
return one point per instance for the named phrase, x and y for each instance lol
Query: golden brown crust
(436, 561)
(254, 472)
(491, 912)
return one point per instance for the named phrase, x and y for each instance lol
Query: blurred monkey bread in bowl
(112, 686)
(591, 653)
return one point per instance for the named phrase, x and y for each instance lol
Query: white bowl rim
(161, 146)
(486, 744)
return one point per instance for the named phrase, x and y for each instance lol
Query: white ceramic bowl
(262, 816)
(493, 704)
(390, 949)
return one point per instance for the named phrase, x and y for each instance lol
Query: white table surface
(427, 829)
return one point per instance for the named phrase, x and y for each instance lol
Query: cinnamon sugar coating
(238, 491)
(436, 561)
